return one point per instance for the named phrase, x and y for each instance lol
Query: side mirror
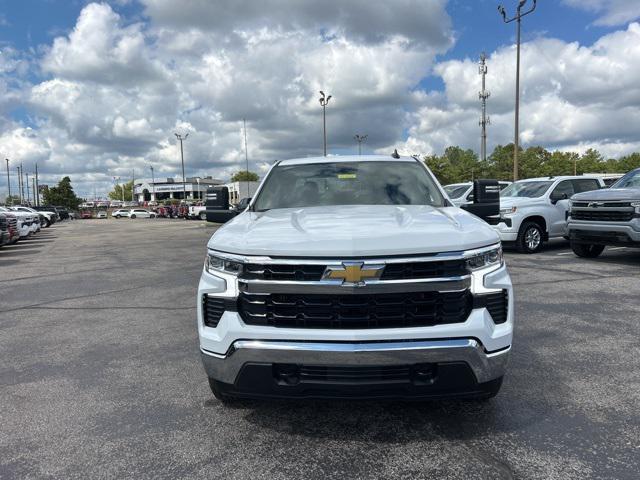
(555, 198)
(486, 200)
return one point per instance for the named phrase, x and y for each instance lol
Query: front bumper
(601, 233)
(507, 228)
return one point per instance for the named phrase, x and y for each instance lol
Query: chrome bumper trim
(486, 366)
(449, 284)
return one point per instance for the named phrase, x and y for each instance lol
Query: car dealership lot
(100, 375)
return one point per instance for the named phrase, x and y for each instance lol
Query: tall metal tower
(483, 95)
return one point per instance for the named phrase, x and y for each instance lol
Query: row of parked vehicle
(20, 222)
(588, 210)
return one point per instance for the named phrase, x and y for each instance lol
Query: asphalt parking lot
(100, 375)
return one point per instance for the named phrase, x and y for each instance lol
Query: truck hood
(609, 194)
(353, 231)
(507, 202)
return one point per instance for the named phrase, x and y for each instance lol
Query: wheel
(203, 215)
(222, 397)
(529, 238)
(587, 250)
(133, 215)
(47, 223)
(152, 216)
(117, 216)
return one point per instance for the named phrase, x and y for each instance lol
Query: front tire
(132, 216)
(117, 216)
(203, 215)
(530, 237)
(587, 250)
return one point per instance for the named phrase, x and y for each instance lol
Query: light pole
(19, 183)
(37, 189)
(184, 188)
(517, 18)
(246, 155)
(28, 196)
(153, 184)
(323, 102)
(8, 181)
(198, 180)
(360, 139)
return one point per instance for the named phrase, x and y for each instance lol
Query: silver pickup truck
(606, 217)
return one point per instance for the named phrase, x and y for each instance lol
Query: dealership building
(194, 187)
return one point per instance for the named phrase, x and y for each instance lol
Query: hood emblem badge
(353, 273)
(595, 204)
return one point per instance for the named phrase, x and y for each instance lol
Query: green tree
(455, 165)
(116, 193)
(62, 195)
(244, 176)
(12, 200)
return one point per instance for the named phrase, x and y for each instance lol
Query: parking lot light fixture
(517, 18)
(184, 188)
(360, 139)
(153, 184)
(8, 180)
(323, 102)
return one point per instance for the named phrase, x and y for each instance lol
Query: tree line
(457, 165)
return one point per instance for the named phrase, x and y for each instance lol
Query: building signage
(190, 187)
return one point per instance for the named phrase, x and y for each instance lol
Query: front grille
(392, 271)
(496, 303)
(601, 215)
(604, 204)
(212, 310)
(357, 311)
(3, 224)
(12, 223)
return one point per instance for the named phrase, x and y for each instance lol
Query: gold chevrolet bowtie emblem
(352, 273)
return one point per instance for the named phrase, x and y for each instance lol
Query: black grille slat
(213, 308)
(496, 303)
(392, 271)
(356, 311)
(602, 215)
(391, 373)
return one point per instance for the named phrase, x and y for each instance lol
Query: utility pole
(153, 184)
(360, 139)
(517, 18)
(483, 95)
(184, 188)
(28, 196)
(21, 183)
(246, 155)
(9, 181)
(35, 201)
(323, 102)
(133, 182)
(37, 190)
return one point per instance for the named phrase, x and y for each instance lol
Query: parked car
(46, 217)
(27, 223)
(606, 217)
(63, 212)
(198, 211)
(141, 213)
(121, 212)
(101, 214)
(53, 211)
(535, 210)
(86, 214)
(12, 224)
(353, 277)
(461, 193)
(4, 230)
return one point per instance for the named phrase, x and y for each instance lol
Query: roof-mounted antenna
(395, 154)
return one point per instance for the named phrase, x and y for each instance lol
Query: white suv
(141, 213)
(535, 210)
(354, 277)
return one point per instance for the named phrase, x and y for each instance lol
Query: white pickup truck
(534, 210)
(354, 277)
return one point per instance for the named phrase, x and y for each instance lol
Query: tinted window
(531, 189)
(455, 191)
(565, 187)
(585, 185)
(348, 183)
(630, 180)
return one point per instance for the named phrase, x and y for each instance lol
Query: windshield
(348, 183)
(630, 180)
(455, 191)
(526, 189)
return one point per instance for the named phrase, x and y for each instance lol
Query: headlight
(485, 259)
(214, 263)
(508, 211)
